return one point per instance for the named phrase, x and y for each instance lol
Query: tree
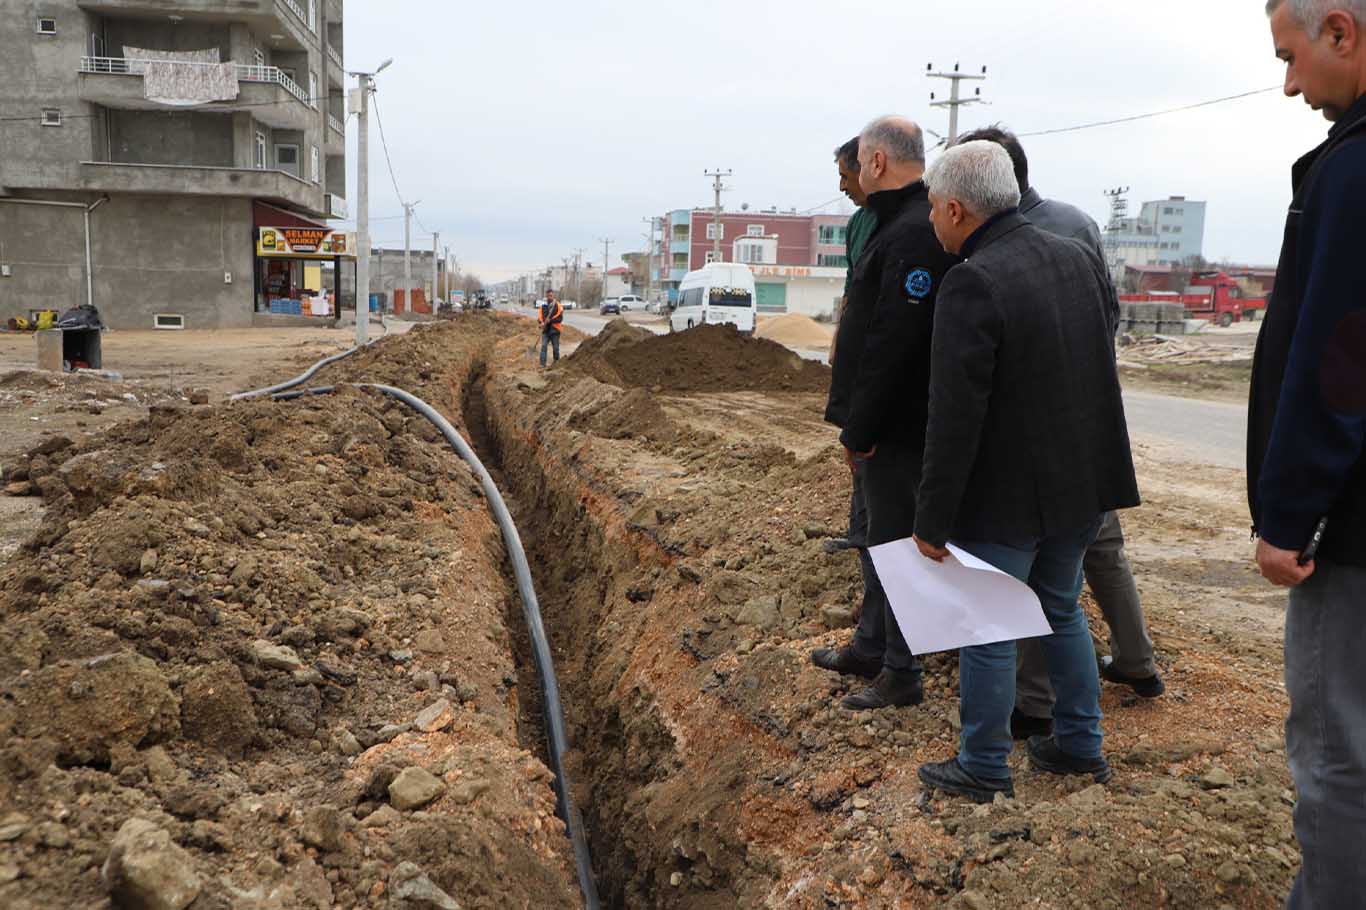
(470, 283)
(590, 292)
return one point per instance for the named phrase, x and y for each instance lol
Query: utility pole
(365, 84)
(716, 211)
(606, 246)
(436, 291)
(578, 255)
(450, 274)
(649, 258)
(408, 255)
(955, 96)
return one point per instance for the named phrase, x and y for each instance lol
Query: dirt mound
(615, 335)
(795, 330)
(705, 358)
(235, 627)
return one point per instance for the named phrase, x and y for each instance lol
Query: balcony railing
(298, 10)
(336, 125)
(122, 66)
(335, 57)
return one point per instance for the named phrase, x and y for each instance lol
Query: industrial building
(172, 161)
(1166, 232)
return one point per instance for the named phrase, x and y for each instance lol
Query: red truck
(1211, 295)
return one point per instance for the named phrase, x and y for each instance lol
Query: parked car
(658, 307)
(569, 304)
(631, 302)
(610, 307)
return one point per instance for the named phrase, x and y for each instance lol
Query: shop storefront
(304, 271)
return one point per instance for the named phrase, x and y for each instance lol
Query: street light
(365, 85)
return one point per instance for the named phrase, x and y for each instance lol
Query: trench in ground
(618, 747)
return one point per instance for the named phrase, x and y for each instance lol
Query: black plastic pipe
(557, 740)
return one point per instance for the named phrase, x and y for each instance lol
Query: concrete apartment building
(798, 260)
(160, 137)
(1165, 232)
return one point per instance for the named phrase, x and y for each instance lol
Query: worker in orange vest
(551, 318)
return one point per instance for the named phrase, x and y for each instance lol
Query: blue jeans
(548, 339)
(986, 673)
(1325, 735)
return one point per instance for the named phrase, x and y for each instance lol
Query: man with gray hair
(879, 387)
(1306, 452)
(1025, 450)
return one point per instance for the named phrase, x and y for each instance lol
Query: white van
(719, 293)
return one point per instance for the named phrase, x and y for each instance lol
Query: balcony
(335, 139)
(158, 179)
(283, 17)
(273, 98)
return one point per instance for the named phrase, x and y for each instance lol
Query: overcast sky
(530, 129)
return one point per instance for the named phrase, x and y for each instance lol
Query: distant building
(386, 272)
(798, 260)
(1165, 232)
(206, 139)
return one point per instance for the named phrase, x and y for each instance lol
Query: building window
(830, 261)
(712, 228)
(832, 234)
(52, 116)
(1168, 210)
(315, 164)
(313, 14)
(1177, 229)
(260, 159)
(46, 27)
(752, 253)
(259, 56)
(680, 260)
(1166, 228)
(754, 230)
(287, 158)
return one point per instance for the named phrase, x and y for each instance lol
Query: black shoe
(950, 777)
(1045, 755)
(1146, 686)
(1023, 726)
(844, 660)
(891, 689)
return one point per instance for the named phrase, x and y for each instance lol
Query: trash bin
(374, 303)
(62, 350)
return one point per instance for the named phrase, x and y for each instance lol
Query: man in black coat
(1026, 449)
(879, 386)
(1307, 450)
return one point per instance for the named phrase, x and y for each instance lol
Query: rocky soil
(257, 656)
(267, 655)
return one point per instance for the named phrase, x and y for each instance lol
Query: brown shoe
(844, 660)
(890, 690)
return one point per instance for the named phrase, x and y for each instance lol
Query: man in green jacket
(861, 225)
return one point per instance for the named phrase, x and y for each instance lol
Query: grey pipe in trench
(557, 740)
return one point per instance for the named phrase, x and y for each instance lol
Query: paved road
(1206, 432)
(1210, 432)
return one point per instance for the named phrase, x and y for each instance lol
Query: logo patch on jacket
(919, 283)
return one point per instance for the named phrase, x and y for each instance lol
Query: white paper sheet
(959, 602)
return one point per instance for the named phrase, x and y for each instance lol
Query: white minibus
(719, 293)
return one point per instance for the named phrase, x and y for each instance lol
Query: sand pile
(797, 331)
(706, 358)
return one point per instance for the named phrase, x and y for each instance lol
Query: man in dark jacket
(1106, 567)
(551, 318)
(1307, 450)
(1026, 450)
(879, 386)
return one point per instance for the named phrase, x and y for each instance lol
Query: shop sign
(303, 243)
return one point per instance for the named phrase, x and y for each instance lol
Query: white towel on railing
(182, 78)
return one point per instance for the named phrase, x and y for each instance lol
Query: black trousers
(881, 510)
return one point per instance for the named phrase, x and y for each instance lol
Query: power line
(1172, 110)
(385, 145)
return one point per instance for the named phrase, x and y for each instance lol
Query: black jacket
(880, 381)
(1027, 436)
(1306, 439)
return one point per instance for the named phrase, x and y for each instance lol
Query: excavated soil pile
(795, 330)
(257, 656)
(705, 358)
